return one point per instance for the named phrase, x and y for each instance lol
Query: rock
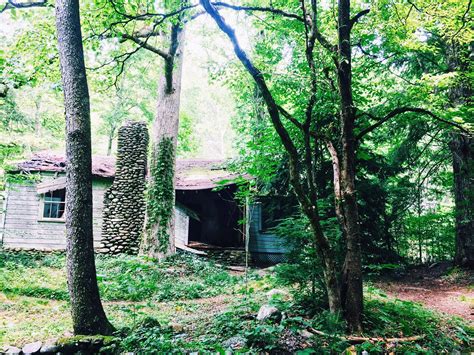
(305, 334)
(12, 350)
(278, 293)
(50, 347)
(268, 312)
(177, 328)
(234, 343)
(32, 348)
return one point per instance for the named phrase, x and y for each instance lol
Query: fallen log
(360, 339)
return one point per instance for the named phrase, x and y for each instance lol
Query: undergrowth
(120, 278)
(384, 318)
(33, 303)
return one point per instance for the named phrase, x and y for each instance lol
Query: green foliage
(427, 238)
(303, 270)
(30, 274)
(160, 194)
(395, 318)
(120, 278)
(188, 143)
(41, 277)
(11, 118)
(136, 279)
(149, 336)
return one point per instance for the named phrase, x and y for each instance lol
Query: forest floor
(196, 305)
(438, 286)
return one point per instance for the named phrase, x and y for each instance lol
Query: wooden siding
(181, 226)
(23, 227)
(261, 242)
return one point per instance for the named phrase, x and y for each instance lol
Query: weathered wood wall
(264, 247)
(23, 227)
(181, 226)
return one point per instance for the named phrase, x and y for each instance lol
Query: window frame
(42, 203)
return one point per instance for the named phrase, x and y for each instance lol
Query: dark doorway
(215, 216)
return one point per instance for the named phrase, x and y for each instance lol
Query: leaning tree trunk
(159, 237)
(88, 316)
(462, 148)
(351, 285)
(309, 205)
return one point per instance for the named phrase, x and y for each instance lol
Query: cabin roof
(191, 174)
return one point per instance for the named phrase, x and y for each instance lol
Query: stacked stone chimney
(124, 200)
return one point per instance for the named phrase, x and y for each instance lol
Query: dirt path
(450, 295)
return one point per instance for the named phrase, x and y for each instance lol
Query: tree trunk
(309, 205)
(462, 148)
(88, 316)
(110, 139)
(351, 286)
(38, 116)
(159, 238)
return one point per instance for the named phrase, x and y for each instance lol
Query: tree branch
(290, 118)
(258, 9)
(401, 110)
(145, 45)
(463, 19)
(357, 17)
(23, 5)
(273, 109)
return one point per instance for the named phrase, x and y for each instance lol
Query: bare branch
(258, 9)
(23, 5)
(324, 42)
(401, 110)
(145, 45)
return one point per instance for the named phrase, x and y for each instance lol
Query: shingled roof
(191, 174)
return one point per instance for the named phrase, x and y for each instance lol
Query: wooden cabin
(207, 214)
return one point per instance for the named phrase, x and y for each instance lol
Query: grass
(34, 299)
(145, 299)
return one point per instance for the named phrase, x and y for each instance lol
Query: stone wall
(124, 201)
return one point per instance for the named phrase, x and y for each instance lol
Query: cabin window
(54, 204)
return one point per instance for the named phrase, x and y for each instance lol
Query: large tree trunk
(88, 316)
(462, 148)
(351, 286)
(159, 237)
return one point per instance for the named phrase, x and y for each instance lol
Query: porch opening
(213, 216)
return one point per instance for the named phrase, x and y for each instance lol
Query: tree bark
(462, 148)
(351, 287)
(88, 315)
(159, 238)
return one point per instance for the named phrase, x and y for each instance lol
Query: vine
(160, 194)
